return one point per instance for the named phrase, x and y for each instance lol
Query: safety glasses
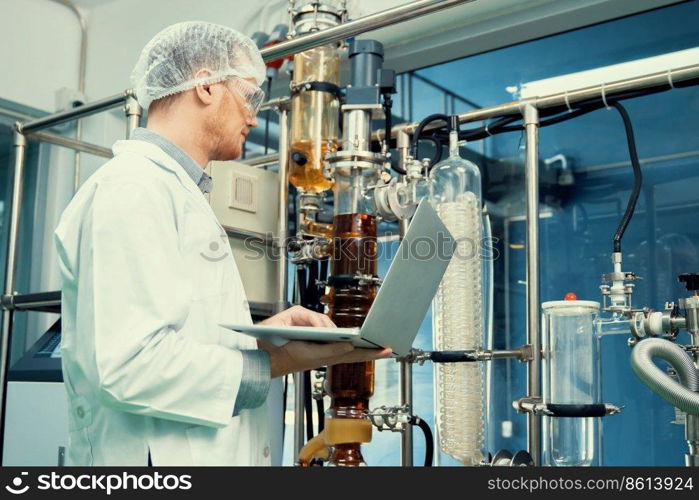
(253, 95)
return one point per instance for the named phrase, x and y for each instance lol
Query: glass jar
(571, 376)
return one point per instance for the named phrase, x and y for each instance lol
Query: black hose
(637, 177)
(320, 408)
(311, 287)
(429, 440)
(576, 411)
(418, 131)
(286, 393)
(308, 403)
(301, 278)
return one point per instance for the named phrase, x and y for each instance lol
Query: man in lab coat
(148, 276)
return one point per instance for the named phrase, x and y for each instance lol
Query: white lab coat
(148, 275)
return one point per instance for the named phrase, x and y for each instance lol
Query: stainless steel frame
(563, 98)
(531, 174)
(75, 144)
(22, 132)
(371, 22)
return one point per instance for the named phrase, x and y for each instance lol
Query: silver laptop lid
(411, 282)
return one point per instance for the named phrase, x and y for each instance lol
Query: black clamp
(330, 88)
(353, 280)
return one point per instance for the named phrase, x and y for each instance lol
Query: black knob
(690, 280)
(299, 158)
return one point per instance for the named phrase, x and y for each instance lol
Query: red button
(570, 296)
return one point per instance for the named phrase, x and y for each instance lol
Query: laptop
(402, 300)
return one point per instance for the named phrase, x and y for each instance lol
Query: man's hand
(299, 316)
(298, 355)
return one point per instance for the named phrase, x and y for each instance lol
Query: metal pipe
(364, 24)
(531, 124)
(559, 99)
(283, 213)
(691, 434)
(83, 41)
(406, 400)
(20, 146)
(133, 112)
(36, 303)
(67, 142)
(275, 103)
(81, 80)
(406, 368)
(83, 111)
(262, 161)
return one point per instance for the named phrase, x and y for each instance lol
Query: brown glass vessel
(351, 385)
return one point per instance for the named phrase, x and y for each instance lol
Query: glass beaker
(571, 377)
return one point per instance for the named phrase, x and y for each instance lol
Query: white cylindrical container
(571, 382)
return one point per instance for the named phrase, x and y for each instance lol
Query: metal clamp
(354, 279)
(504, 458)
(390, 418)
(536, 406)
(318, 391)
(522, 354)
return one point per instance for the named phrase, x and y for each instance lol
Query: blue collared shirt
(256, 380)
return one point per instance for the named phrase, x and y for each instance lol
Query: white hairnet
(169, 62)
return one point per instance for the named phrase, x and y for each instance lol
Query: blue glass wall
(578, 221)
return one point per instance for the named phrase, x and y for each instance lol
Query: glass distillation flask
(315, 116)
(457, 317)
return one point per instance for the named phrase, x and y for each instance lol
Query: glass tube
(571, 376)
(314, 118)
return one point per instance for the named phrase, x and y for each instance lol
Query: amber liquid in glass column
(351, 385)
(309, 176)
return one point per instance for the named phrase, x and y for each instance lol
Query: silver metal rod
(37, 303)
(83, 41)
(133, 112)
(691, 434)
(299, 405)
(67, 142)
(406, 399)
(531, 123)
(283, 214)
(20, 146)
(262, 161)
(406, 369)
(73, 114)
(371, 22)
(276, 103)
(559, 99)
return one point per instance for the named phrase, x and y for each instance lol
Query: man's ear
(204, 92)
